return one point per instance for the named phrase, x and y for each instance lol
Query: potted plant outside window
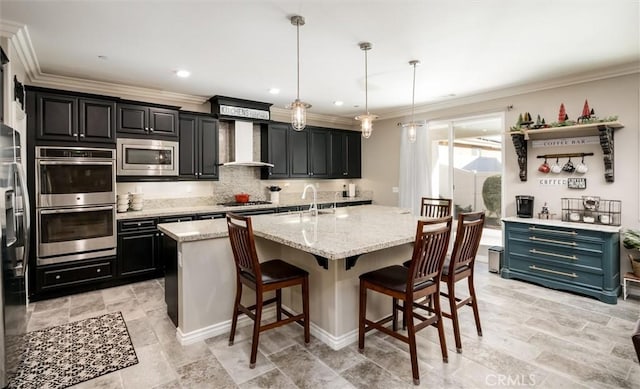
(631, 241)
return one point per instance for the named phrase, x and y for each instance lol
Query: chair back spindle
(468, 234)
(429, 251)
(435, 208)
(243, 245)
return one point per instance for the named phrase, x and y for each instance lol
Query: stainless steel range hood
(240, 145)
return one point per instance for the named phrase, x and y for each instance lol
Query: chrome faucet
(313, 208)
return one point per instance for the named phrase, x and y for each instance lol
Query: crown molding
(600, 74)
(284, 115)
(119, 90)
(19, 36)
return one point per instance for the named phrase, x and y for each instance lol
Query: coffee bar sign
(578, 141)
(248, 113)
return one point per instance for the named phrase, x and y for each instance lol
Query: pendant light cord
(413, 95)
(366, 89)
(298, 58)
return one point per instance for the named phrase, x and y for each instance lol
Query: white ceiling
(242, 48)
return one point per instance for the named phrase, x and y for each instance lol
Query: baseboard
(219, 328)
(335, 342)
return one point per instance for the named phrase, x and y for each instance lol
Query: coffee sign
(579, 141)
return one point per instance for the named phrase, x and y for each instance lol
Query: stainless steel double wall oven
(75, 203)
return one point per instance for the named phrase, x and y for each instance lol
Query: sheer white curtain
(415, 170)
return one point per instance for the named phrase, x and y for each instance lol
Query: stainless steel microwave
(146, 157)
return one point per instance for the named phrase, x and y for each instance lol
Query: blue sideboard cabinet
(582, 258)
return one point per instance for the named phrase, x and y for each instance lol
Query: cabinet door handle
(572, 275)
(344, 173)
(81, 135)
(151, 129)
(534, 228)
(98, 270)
(553, 241)
(75, 134)
(310, 173)
(146, 129)
(58, 277)
(571, 257)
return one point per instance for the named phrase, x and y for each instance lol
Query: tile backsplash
(233, 179)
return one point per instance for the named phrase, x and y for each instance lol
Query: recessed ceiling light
(274, 91)
(103, 57)
(338, 103)
(183, 73)
(356, 106)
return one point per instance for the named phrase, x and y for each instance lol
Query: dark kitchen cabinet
(198, 147)
(319, 152)
(275, 150)
(346, 154)
(97, 120)
(64, 117)
(315, 152)
(74, 275)
(143, 120)
(298, 154)
(138, 248)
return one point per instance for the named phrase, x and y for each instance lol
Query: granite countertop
(559, 223)
(199, 209)
(347, 232)
(195, 230)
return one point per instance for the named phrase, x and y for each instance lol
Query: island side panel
(334, 292)
(207, 286)
(348, 288)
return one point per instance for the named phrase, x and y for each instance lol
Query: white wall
(614, 96)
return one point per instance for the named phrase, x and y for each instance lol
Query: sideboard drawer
(561, 255)
(592, 244)
(573, 275)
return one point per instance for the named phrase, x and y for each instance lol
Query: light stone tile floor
(533, 337)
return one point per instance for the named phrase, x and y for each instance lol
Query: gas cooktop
(236, 204)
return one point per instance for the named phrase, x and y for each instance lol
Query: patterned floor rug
(65, 355)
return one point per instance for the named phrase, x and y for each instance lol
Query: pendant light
(298, 108)
(366, 119)
(412, 126)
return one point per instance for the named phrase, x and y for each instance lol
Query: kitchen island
(335, 248)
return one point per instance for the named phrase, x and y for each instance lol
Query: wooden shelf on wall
(603, 130)
(577, 130)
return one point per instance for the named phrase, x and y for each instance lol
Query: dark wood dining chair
(272, 275)
(435, 208)
(460, 266)
(421, 279)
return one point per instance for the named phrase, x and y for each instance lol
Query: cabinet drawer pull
(572, 257)
(534, 228)
(572, 275)
(58, 277)
(553, 241)
(98, 270)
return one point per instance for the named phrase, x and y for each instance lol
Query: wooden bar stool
(421, 279)
(460, 266)
(263, 277)
(435, 208)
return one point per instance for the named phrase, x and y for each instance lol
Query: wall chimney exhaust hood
(242, 114)
(241, 145)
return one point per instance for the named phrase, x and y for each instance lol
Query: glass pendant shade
(299, 115)
(366, 125)
(412, 133)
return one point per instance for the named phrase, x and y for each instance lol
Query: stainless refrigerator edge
(15, 231)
